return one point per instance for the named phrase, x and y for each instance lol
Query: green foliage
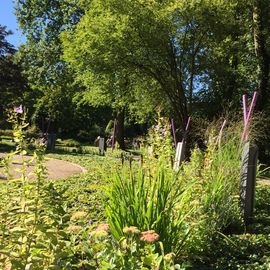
(132, 251)
(187, 208)
(155, 202)
(215, 173)
(32, 217)
(160, 141)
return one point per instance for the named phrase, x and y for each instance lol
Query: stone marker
(248, 180)
(101, 146)
(51, 141)
(180, 154)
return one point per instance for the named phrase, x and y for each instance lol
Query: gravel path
(56, 168)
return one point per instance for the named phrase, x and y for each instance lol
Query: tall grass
(216, 173)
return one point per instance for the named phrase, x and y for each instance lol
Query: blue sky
(8, 18)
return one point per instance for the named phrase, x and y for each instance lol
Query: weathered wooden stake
(101, 146)
(51, 141)
(181, 148)
(248, 180)
(248, 164)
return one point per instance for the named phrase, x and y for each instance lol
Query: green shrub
(135, 250)
(187, 208)
(152, 197)
(69, 143)
(32, 216)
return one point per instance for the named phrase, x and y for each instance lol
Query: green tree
(188, 51)
(261, 32)
(126, 41)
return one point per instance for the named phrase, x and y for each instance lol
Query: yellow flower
(169, 257)
(78, 215)
(103, 227)
(74, 229)
(131, 230)
(99, 234)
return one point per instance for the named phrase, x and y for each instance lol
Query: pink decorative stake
(173, 131)
(248, 114)
(113, 135)
(244, 99)
(186, 129)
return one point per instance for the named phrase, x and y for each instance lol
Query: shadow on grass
(6, 148)
(73, 152)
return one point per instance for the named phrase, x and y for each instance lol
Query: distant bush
(69, 143)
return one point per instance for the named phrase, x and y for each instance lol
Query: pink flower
(149, 236)
(103, 227)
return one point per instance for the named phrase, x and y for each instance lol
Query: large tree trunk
(261, 53)
(120, 131)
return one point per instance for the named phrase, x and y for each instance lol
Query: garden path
(56, 168)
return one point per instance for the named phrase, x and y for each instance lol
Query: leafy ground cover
(84, 191)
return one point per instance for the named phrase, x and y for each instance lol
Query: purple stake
(173, 131)
(248, 117)
(186, 129)
(244, 98)
(188, 122)
(113, 135)
(252, 106)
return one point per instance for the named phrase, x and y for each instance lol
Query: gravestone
(101, 146)
(51, 141)
(180, 155)
(248, 180)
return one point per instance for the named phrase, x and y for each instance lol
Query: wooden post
(180, 154)
(248, 180)
(248, 164)
(51, 141)
(101, 146)
(181, 148)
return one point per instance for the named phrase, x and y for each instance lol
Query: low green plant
(135, 250)
(160, 144)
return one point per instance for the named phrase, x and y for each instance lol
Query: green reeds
(151, 202)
